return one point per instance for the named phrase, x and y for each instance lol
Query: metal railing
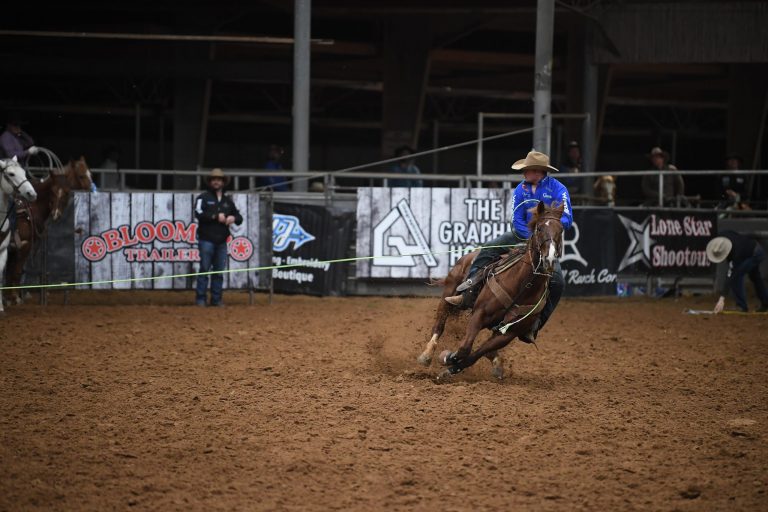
(343, 184)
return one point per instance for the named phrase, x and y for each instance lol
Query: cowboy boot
(465, 299)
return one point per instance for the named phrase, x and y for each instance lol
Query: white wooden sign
(122, 235)
(421, 232)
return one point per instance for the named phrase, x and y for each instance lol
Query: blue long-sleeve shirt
(548, 191)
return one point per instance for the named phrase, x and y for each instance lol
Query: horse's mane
(535, 217)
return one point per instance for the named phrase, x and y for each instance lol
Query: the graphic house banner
(421, 232)
(121, 236)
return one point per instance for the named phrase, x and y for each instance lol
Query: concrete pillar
(405, 50)
(542, 86)
(301, 74)
(590, 105)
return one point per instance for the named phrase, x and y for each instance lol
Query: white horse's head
(13, 180)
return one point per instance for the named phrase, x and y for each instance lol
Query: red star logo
(94, 248)
(240, 249)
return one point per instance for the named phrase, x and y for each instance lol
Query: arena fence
(385, 241)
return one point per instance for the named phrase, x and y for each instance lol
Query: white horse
(13, 181)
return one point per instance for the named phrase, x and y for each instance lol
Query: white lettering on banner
(473, 234)
(653, 253)
(576, 277)
(673, 227)
(484, 209)
(679, 258)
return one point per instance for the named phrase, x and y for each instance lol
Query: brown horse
(53, 194)
(510, 301)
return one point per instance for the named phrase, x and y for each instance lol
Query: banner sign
(589, 261)
(121, 235)
(305, 237)
(420, 233)
(664, 242)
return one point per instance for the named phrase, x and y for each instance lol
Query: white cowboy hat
(718, 249)
(534, 160)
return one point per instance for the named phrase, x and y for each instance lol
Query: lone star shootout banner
(664, 242)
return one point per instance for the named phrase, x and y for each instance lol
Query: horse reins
(535, 271)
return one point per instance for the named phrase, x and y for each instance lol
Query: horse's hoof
(498, 372)
(445, 357)
(444, 375)
(424, 359)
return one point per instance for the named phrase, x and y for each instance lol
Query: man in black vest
(215, 212)
(744, 256)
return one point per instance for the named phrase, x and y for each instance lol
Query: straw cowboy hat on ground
(534, 160)
(217, 173)
(718, 249)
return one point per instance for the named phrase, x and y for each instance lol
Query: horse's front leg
(437, 330)
(490, 349)
(457, 361)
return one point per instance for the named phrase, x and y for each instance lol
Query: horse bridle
(542, 242)
(5, 177)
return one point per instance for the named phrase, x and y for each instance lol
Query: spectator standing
(15, 142)
(572, 165)
(274, 162)
(405, 166)
(215, 212)
(674, 186)
(744, 256)
(733, 187)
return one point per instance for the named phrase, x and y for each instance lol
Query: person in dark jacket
(744, 256)
(215, 212)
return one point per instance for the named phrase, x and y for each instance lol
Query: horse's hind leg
(497, 364)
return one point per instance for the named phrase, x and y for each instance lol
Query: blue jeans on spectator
(213, 257)
(749, 267)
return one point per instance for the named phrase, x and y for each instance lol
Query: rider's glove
(33, 150)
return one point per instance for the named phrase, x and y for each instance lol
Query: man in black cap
(15, 142)
(215, 212)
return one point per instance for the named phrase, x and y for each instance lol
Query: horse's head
(547, 235)
(79, 174)
(13, 180)
(605, 188)
(59, 194)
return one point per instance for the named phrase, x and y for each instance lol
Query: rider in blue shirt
(536, 186)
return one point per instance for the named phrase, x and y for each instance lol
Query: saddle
(487, 277)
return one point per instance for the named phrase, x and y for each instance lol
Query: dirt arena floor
(126, 401)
